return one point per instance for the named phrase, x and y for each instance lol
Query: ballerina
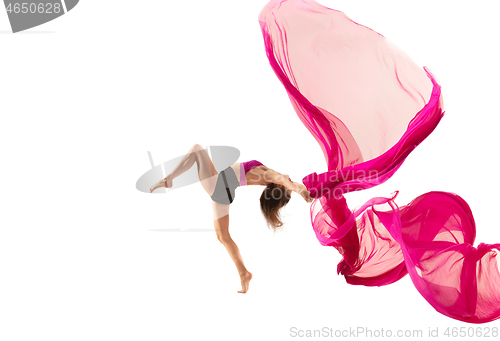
(221, 188)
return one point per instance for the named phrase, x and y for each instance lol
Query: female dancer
(221, 188)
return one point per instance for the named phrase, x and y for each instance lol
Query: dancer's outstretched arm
(278, 178)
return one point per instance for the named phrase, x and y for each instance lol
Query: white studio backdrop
(84, 97)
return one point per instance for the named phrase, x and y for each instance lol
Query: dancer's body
(276, 194)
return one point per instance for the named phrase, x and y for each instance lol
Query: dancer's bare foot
(245, 281)
(165, 182)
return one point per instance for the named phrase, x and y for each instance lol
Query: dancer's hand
(306, 195)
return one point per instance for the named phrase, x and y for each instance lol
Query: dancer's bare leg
(222, 231)
(208, 178)
(206, 170)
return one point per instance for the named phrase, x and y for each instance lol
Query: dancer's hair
(273, 198)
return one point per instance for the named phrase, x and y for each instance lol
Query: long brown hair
(273, 198)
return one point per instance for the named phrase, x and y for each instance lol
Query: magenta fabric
(245, 167)
(369, 105)
(249, 165)
(243, 178)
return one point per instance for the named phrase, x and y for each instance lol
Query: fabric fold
(368, 105)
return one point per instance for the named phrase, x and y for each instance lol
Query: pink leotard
(245, 167)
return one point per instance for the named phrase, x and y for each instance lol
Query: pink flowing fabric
(369, 105)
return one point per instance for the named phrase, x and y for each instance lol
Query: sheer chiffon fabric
(369, 105)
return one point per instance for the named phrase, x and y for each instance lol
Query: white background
(84, 97)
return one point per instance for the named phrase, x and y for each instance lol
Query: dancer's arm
(304, 193)
(285, 180)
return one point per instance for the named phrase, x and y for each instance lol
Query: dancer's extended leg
(206, 171)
